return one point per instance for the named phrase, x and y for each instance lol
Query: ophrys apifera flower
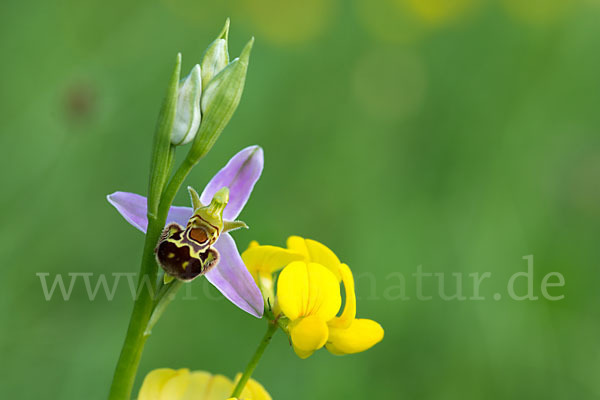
(204, 229)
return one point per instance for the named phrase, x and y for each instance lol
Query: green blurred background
(457, 135)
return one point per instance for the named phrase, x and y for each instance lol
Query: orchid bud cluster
(209, 95)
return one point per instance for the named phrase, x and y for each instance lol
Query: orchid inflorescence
(297, 288)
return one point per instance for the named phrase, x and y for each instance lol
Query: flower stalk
(162, 158)
(146, 311)
(271, 329)
(181, 120)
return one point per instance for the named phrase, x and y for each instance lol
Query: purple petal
(239, 175)
(134, 207)
(181, 215)
(232, 278)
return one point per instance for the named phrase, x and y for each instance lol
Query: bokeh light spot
(284, 22)
(404, 21)
(538, 12)
(390, 85)
(441, 12)
(195, 11)
(389, 20)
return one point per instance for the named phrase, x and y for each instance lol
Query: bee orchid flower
(224, 198)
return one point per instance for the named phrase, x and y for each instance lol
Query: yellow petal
(219, 388)
(199, 382)
(175, 387)
(298, 245)
(308, 334)
(253, 390)
(156, 380)
(315, 252)
(360, 336)
(321, 254)
(349, 313)
(303, 354)
(257, 391)
(268, 259)
(308, 289)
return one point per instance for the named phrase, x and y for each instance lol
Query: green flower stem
(135, 339)
(173, 187)
(272, 328)
(144, 307)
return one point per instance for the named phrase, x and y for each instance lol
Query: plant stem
(271, 329)
(173, 187)
(135, 339)
(143, 308)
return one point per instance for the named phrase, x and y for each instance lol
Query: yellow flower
(308, 294)
(181, 384)
(263, 262)
(316, 252)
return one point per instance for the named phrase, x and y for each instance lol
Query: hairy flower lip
(231, 276)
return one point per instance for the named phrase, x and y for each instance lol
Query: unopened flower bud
(187, 114)
(219, 101)
(216, 56)
(223, 93)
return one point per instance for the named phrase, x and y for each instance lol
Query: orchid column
(196, 243)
